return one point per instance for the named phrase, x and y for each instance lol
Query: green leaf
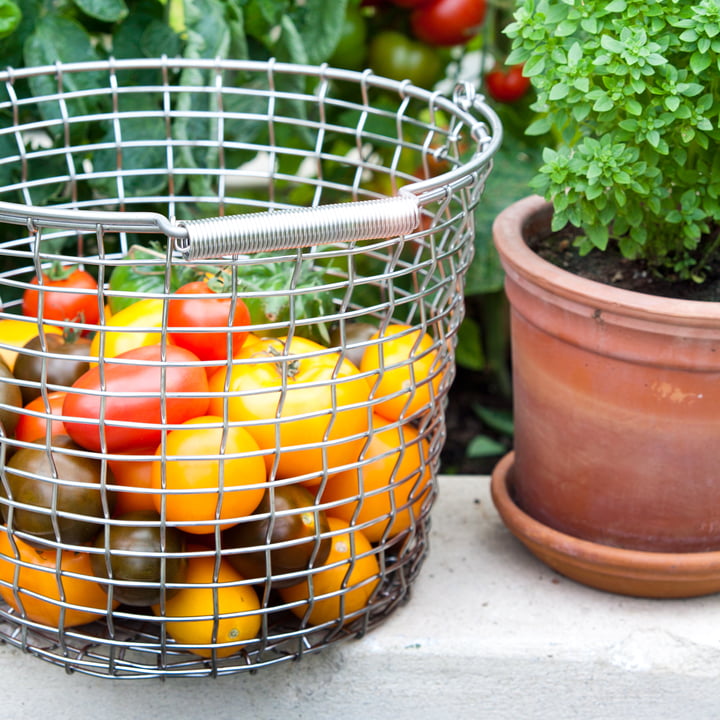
(320, 25)
(499, 420)
(104, 10)
(699, 62)
(484, 446)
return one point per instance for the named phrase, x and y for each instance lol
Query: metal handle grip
(289, 229)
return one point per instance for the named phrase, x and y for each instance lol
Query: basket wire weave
(362, 184)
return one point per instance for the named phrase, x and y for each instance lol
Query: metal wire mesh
(338, 207)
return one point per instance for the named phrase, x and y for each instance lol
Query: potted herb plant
(612, 275)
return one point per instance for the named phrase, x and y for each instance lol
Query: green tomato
(397, 57)
(351, 49)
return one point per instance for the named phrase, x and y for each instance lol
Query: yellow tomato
(135, 326)
(385, 493)
(343, 585)
(198, 485)
(299, 401)
(15, 333)
(403, 370)
(214, 612)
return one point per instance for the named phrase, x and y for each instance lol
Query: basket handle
(296, 228)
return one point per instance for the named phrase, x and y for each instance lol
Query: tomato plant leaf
(105, 10)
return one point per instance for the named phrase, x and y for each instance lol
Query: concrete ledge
(489, 633)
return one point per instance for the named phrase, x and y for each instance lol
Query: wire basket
(202, 496)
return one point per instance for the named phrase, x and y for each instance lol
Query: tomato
(142, 559)
(33, 421)
(385, 493)
(398, 57)
(49, 582)
(66, 489)
(448, 22)
(123, 404)
(410, 3)
(15, 333)
(133, 474)
(507, 85)
(53, 361)
(209, 472)
(406, 377)
(352, 46)
(343, 586)
(135, 326)
(10, 397)
(303, 404)
(215, 613)
(198, 307)
(54, 299)
(292, 530)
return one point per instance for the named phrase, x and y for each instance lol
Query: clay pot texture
(617, 402)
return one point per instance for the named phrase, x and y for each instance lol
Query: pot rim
(516, 257)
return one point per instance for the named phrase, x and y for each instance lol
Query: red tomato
(55, 301)
(114, 395)
(507, 85)
(201, 307)
(448, 22)
(410, 3)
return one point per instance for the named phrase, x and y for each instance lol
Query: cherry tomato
(395, 56)
(64, 487)
(56, 588)
(53, 361)
(303, 404)
(507, 85)
(214, 613)
(290, 532)
(342, 588)
(448, 22)
(385, 494)
(209, 472)
(121, 405)
(402, 364)
(132, 327)
(54, 297)
(33, 421)
(198, 307)
(140, 558)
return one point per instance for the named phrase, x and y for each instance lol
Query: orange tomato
(134, 475)
(343, 585)
(74, 586)
(384, 494)
(214, 613)
(15, 333)
(32, 424)
(299, 401)
(210, 473)
(404, 364)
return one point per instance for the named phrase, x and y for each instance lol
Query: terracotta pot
(617, 403)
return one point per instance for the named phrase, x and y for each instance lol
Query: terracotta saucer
(627, 572)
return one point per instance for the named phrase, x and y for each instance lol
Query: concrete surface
(489, 633)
